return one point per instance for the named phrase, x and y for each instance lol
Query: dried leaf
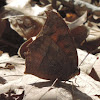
(78, 22)
(65, 91)
(55, 3)
(93, 35)
(11, 65)
(88, 63)
(24, 22)
(93, 39)
(10, 95)
(95, 73)
(71, 17)
(53, 51)
(79, 34)
(27, 26)
(88, 88)
(2, 80)
(22, 17)
(80, 6)
(23, 7)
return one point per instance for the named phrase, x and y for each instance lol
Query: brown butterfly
(52, 54)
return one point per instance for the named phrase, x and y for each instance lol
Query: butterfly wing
(53, 54)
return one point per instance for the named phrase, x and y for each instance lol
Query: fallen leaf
(93, 35)
(88, 88)
(86, 61)
(55, 3)
(63, 91)
(27, 26)
(25, 19)
(78, 22)
(93, 39)
(50, 44)
(80, 33)
(11, 96)
(11, 65)
(95, 72)
(71, 17)
(2, 80)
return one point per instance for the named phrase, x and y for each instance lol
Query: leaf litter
(13, 84)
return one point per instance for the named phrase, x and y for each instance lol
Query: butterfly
(52, 54)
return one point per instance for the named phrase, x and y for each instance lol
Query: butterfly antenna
(83, 59)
